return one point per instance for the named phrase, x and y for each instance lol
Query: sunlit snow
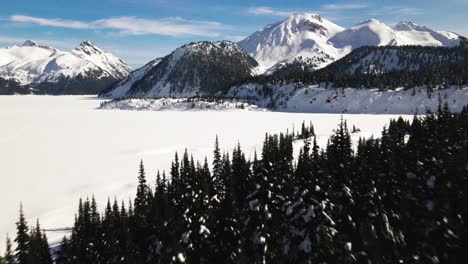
(54, 150)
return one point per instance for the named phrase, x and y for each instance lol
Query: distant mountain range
(319, 41)
(301, 42)
(41, 69)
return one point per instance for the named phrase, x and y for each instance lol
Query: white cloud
(396, 10)
(50, 22)
(234, 38)
(344, 6)
(269, 11)
(10, 40)
(265, 10)
(174, 26)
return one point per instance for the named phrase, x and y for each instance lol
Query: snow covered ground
(314, 99)
(54, 150)
(310, 99)
(178, 104)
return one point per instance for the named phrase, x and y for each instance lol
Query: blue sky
(141, 30)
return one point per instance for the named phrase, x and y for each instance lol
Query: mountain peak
(407, 25)
(370, 21)
(308, 16)
(29, 43)
(88, 48)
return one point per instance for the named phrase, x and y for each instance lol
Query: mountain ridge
(269, 45)
(193, 69)
(36, 65)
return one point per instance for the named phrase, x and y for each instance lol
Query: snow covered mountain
(375, 33)
(311, 40)
(300, 35)
(410, 33)
(368, 33)
(45, 67)
(124, 86)
(193, 69)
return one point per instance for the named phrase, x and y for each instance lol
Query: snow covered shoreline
(178, 104)
(309, 99)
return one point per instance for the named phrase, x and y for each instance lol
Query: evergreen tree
(218, 180)
(8, 257)
(22, 239)
(39, 247)
(139, 222)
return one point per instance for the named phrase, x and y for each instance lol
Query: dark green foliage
(12, 87)
(31, 246)
(22, 239)
(8, 257)
(64, 85)
(75, 86)
(39, 247)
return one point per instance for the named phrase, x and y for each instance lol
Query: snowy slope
(369, 33)
(32, 63)
(122, 88)
(375, 33)
(375, 60)
(309, 39)
(412, 34)
(299, 35)
(296, 98)
(314, 99)
(193, 69)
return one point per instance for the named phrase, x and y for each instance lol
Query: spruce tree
(139, 223)
(8, 257)
(39, 247)
(22, 239)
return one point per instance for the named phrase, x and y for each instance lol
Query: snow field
(54, 150)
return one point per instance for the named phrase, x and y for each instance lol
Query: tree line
(399, 198)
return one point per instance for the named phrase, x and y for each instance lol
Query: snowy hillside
(412, 34)
(121, 88)
(313, 99)
(374, 60)
(33, 64)
(369, 33)
(310, 99)
(312, 40)
(196, 68)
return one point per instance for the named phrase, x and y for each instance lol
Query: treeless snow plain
(56, 149)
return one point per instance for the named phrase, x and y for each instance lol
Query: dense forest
(385, 67)
(8, 86)
(400, 198)
(64, 85)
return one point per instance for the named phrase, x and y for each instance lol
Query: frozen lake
(56, 149)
